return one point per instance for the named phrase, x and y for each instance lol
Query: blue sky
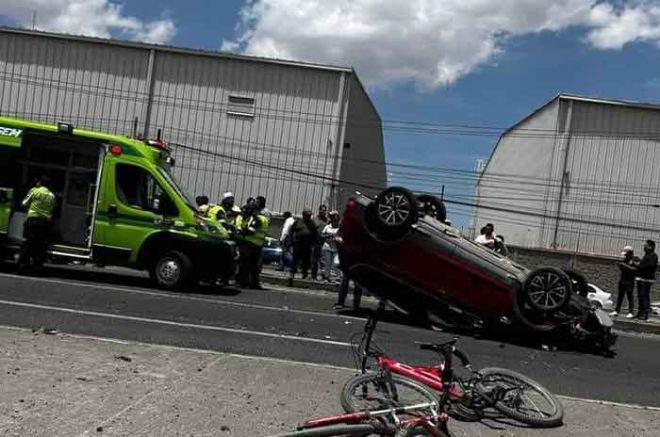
(494, 77)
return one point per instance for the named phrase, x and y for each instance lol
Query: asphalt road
(296, 325)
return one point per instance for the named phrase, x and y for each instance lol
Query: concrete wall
(599, 270)
(288, 147)
(515, 178)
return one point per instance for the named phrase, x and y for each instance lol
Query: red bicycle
(473, 398)
(385, 422)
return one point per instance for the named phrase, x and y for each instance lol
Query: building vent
(241, 106)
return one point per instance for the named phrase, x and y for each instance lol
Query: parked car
(398, 246)
(600, 298)
(272, 251)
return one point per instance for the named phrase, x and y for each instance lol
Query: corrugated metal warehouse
(300, 134)
(579, 174)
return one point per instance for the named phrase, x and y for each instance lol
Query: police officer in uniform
(251, 229)
(40, 203)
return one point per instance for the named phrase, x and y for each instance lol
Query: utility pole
(34, 19)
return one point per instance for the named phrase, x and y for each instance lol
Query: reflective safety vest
(216, 214)
(40, 202)
(260, 226)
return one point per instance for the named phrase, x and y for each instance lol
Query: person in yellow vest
(40, 203)
(251, 231)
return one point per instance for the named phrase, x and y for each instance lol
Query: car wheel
(433, 206)
(172, 270)
(547, 289)
(394, 212)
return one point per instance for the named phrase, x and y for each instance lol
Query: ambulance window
(137, 188)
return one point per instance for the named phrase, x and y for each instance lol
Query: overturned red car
(398, 246)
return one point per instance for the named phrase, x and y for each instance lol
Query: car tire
(547, 289)
(393, 213)
(580, 285)
(172, 270)
(433, 206)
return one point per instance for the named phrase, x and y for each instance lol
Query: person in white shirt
(487, 236)
(329, 248)
(285, 237)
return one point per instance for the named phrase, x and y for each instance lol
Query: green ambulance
(117, 203)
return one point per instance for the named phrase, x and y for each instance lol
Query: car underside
(398, 246)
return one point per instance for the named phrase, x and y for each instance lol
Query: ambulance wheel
(172, 270)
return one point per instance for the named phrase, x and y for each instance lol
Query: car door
(10, 145)
(135, 205)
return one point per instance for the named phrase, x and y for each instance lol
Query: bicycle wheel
(371, 392)
(520, 397)
(361, 429)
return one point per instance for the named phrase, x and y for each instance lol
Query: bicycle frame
(431, 376)
(433, 425)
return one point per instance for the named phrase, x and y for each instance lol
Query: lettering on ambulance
(11, 136)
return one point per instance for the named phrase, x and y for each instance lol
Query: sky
(457, 62)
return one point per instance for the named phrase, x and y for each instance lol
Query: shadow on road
(116, 278)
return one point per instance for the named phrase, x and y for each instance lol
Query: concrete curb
(274, 278)
(640, 327)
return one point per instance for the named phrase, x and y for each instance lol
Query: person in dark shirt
(645, 279)
(303, 236)
(628, 267)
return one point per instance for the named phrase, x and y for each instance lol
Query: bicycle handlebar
(445, 349)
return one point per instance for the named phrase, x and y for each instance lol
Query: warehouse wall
(515, 178)
(281, 151)
(47, 79)
(363, 159)
(285, 147)
(613, 178)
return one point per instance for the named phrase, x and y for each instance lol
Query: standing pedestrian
(304, 235)
(261, 204)
(329, 248)
(321, 220)
(285, 238)
(645, 279)
(202, 204)
(252, 228)
(343, 290)
(486, 237)
(40, 203)
(626, 282)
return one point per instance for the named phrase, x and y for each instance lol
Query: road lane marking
(610, 403)
(102, 287)
(171, 323)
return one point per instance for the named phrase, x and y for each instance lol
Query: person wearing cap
(626, 282)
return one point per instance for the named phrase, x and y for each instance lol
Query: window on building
(138, 189)
(241, 106)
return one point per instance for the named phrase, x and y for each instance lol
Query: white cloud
(428, 42)
(101, 18)
(615, 27)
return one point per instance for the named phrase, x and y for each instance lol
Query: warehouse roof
(173, 49)
(576, 98)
